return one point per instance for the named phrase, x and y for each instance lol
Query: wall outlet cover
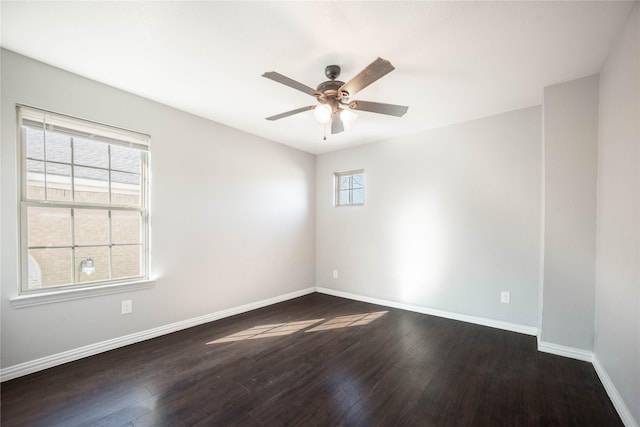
(127, 306)
(505, 297)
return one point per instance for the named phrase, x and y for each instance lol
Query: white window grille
(349, 188)
(84, 196)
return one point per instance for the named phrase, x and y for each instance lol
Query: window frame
(336, 187)
(112, 136)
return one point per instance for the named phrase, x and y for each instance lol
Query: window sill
(51, 297)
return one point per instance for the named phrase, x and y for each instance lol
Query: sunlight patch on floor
(348, 321)
(265, 331)
(288, 328)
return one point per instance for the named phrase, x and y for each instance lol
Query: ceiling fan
(333, 95)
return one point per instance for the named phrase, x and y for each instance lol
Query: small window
(349, 188)
(84, 219)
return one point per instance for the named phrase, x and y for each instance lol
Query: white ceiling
(455, 61)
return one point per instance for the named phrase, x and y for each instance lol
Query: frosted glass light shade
(322, 113)
(348, 116)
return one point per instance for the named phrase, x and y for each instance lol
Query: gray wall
(617, 311)
(570, 135)
(232, 216)
(451, 218)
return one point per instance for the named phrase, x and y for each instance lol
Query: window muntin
(349, 188)
(84, 216)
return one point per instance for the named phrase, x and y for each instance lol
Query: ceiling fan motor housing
(330, 85)
(329, 90)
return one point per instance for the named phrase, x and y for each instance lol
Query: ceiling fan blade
(336, 124)
(291, 113)
(277, 77)
(370, 74)
(378, 107)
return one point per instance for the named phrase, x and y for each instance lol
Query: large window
(83, 202)
(349, 188)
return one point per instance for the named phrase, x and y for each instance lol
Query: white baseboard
(612, 391)
(561, 350)
(507, 326)
(588, 356)
(46, 362)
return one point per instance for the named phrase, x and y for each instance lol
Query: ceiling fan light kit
(334, 105)
(322, 113)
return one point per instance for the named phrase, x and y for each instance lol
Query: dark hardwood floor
(317, 361)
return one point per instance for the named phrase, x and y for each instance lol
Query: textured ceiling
(455, 61)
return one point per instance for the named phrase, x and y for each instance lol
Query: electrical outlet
(127, 306)
(505, 297)
(335, 274)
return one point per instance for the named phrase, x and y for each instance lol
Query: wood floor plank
(317, 360)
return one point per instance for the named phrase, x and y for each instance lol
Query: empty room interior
(320, 213)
